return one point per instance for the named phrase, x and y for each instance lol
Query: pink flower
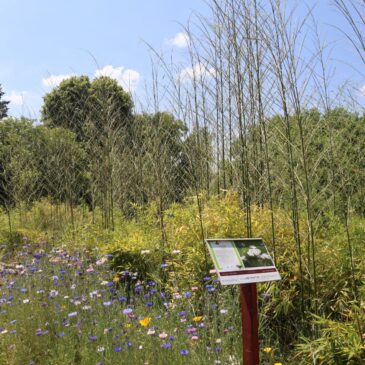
(162, 335)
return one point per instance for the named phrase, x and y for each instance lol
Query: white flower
(101, 261)
(53, 293)
(143, 252)
(176, 252)
(25, 301)
(253, 252)
(94, 293)
(100, 349)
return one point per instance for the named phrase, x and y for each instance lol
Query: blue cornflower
(182, 313)
(122, 299)
(184, 352)
(163, 266)
(149, 304)
(166, 345)
(92, 338)
(187, 294)
(117, 349)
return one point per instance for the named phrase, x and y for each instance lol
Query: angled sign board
(242, 260)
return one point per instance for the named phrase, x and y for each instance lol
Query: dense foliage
(254, 143)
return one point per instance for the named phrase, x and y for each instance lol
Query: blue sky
(42, 41)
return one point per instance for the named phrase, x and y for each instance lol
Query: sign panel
(242, 260)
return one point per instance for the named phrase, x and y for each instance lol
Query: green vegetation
(104, 209)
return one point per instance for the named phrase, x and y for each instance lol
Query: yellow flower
(145, 321)
(116, 279)
(278, 363)
(128, 325)
(267, 349)
(197, 318)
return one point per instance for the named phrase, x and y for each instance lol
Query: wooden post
(250, 325)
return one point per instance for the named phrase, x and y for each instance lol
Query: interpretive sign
(242, 260)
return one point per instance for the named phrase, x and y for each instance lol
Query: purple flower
(117, 349)
(107, 304)
(187, 294)
(149, 304)
(122, 299)
(163, 266)
(184, 352)
(92, 338)
(166, 345)
(127, 311)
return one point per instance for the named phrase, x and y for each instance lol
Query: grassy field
(88, 296)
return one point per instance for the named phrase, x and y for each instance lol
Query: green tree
(67, 105)
(3, 105)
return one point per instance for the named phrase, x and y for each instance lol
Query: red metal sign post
(250, 325)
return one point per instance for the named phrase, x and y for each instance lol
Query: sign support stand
(250, 324)
(244, 261)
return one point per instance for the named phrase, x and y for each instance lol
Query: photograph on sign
(242, 260)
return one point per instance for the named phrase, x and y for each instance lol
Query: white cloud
(198, 70)
(362, 90)
(181, 40)
(16, 98)
(55, 80)
(127, 78)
